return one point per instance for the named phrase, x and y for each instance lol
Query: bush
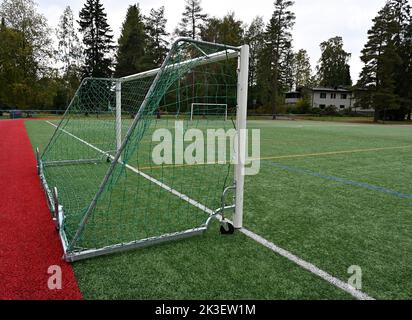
(330, 111)
(303, 106)
(316, 111)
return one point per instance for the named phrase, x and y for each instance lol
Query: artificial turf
(335, 195)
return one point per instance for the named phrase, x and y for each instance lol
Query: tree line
(35, 74)
(385, 82)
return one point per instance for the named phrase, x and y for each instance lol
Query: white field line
(282, 252)
(308, 266)
(135, 170)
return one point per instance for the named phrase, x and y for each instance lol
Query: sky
(316, 20)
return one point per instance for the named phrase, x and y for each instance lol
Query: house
(292, 97)
(321, 98)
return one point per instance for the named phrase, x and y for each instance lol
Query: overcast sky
(316, 20)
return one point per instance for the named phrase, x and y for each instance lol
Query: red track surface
(29, 243)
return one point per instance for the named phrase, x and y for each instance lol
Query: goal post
(118, 115)
(103, 183)
(241, 116)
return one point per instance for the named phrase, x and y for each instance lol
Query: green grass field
(334, 194)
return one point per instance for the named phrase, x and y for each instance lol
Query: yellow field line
(292, 156)
(332, 153)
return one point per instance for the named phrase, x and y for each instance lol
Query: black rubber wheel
(226, 228)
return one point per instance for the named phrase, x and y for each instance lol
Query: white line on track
(282, 252)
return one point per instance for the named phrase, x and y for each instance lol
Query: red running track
(29, 243)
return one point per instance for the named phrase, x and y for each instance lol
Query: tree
(302, 70)
(69, 51)
(228, 30)
(333, 68)
(13, 81)
(275, 51)
(69, 54)
(157, 36)
(286, 75)
(192, 21)
(405, 88)
(22, 16)
(386, 63)
(97, 39)
(403, 43)
(25, 54)
(132, 44)
(254, 37)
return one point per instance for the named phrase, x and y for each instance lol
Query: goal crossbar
(215, 57)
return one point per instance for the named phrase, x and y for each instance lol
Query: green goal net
(113, 183)
(209, 110)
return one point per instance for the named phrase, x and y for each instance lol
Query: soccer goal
(106, 190)
(205, 110)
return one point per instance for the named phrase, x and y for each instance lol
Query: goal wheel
(226, 228)
(108, 160)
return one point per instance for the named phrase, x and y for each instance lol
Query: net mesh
(108, 202)
(208, 110)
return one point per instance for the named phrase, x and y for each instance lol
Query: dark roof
(332, 90)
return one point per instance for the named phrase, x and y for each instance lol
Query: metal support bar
(38, 160)
(56, 208)
(46, 188)
(73, 256)
(71, 162)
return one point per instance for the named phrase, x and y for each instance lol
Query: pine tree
(302, 71)
(254, 37)
(97, 39)
(157, 36)
(192, 21)
(333, 68)
(405, 81)
(276, 50)
(403, 42)
(131, 55)
(381, 61)
(286, 75)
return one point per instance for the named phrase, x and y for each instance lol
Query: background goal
(204, 110)
(105, 191)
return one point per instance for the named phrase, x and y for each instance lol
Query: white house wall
(317, 101)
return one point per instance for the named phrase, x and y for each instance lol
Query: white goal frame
(242, 55)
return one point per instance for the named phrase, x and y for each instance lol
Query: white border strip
(282, 252)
